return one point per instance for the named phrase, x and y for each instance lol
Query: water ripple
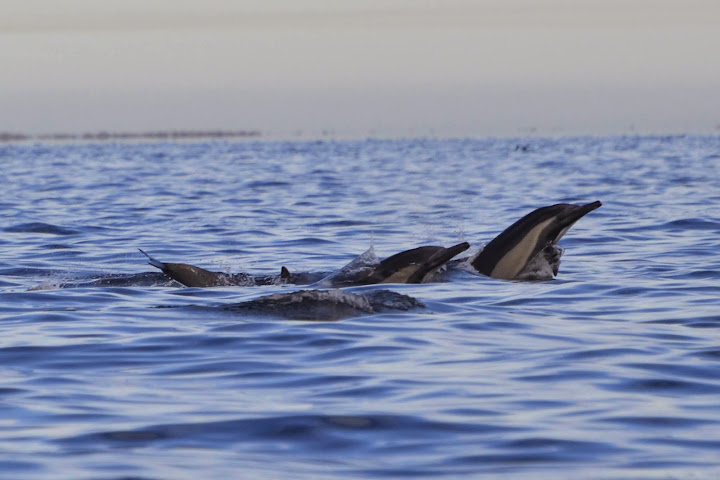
(111, 370)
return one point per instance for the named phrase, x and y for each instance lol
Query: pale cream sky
(392, 67)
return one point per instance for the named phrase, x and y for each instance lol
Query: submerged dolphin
(325, 305)
(508, 254)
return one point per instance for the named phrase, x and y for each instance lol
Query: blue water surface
(610, 371)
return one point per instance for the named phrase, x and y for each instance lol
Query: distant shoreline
(179, 135)
(7, 137)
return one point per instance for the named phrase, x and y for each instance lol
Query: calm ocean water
(610, 371)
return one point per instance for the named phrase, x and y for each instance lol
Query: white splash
(358, 267)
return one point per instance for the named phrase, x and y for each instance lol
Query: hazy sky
(370, 67)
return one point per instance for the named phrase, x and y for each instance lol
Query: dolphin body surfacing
(192, 276)
(416, 265)
(537, 233)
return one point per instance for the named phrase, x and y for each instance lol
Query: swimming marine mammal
(325, 305)
(192, 276)
(416, 265)
(537, 233)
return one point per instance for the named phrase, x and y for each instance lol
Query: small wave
(685, 224)
(660, 422)
(147, 279)
(664, 386)
(39, 227)
(315, 431)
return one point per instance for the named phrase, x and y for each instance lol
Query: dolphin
(192, 276)
(325, 305)
(416, 265)
(508, 254)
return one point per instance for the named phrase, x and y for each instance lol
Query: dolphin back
(192, 276)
